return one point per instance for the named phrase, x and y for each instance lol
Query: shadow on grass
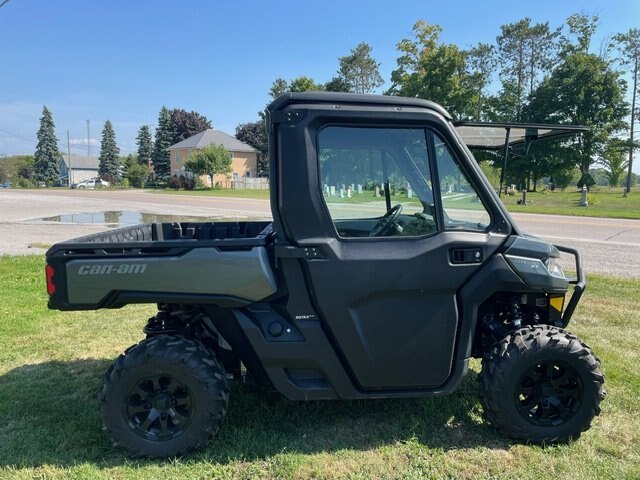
(48, 416)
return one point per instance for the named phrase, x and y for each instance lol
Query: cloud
(83, 141)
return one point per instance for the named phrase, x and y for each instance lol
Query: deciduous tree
(254, 134)
(186, 124)
(613, 160)
(433, 70)
(47, 157)
(211, 160)
(304, 84)
(582, 90)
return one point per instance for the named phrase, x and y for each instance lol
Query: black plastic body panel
(388, 306)
(159, 263)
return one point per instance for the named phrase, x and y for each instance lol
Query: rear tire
(165, 396)
(541, 384)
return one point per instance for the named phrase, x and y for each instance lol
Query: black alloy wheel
(541, 384)
(165, 396)
(158, 408)
(549, 393)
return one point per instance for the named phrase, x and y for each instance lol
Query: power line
(16, 135)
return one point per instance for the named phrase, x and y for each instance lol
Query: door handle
(459, 256)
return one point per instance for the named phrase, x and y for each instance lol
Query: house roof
(210, 137)
(81, 162)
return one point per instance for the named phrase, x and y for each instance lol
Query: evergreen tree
(164, 139)
(47, 157)
(481, 61)
(526, 52)
(629, 47)
(278, 87)
(145, 145)
(109, 151)
(359, 70)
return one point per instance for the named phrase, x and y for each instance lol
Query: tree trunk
(633, 108)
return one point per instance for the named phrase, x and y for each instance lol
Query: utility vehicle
(390, 263)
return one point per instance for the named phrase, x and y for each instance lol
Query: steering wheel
(385, 224)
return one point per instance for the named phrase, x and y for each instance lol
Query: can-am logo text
(124, 269)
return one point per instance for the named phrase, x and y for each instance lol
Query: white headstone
(332, 190)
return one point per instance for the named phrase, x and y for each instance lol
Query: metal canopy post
(505, 156)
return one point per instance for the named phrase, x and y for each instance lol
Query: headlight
(547, 275)
(554, 266)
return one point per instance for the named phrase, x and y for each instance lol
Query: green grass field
(51, 366)
(603, 203)
(212, 192)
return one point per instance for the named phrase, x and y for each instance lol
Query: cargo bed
(226, 263)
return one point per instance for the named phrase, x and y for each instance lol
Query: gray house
(80, 168)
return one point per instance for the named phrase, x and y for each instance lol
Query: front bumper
(580, 283)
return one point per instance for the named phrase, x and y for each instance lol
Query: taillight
(51, 287)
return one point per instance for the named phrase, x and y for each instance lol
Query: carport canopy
(502, 136)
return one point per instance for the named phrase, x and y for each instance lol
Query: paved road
(608, 246)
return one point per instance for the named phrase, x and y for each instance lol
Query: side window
(376, 181)
(463, 209)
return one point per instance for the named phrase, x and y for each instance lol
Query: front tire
(541, 384)
(165, 396)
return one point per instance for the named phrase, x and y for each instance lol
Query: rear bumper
(580, 283)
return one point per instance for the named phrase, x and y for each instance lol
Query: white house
(80, 168)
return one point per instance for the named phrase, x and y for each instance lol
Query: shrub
(189, 183)
(175, 182)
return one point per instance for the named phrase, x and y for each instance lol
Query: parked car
(90, 184)
(5, 185)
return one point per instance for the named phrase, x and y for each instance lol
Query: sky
(123, 60)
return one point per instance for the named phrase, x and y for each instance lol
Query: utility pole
(69, 160)
(88, 140)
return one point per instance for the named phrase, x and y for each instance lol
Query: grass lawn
(601, 203)
(225, 192)
(51, 366)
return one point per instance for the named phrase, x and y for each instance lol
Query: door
(409, 230)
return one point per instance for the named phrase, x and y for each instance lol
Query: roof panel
(492, 136)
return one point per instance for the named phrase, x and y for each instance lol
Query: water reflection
(123, 218)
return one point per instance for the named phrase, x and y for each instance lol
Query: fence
(250, 183)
